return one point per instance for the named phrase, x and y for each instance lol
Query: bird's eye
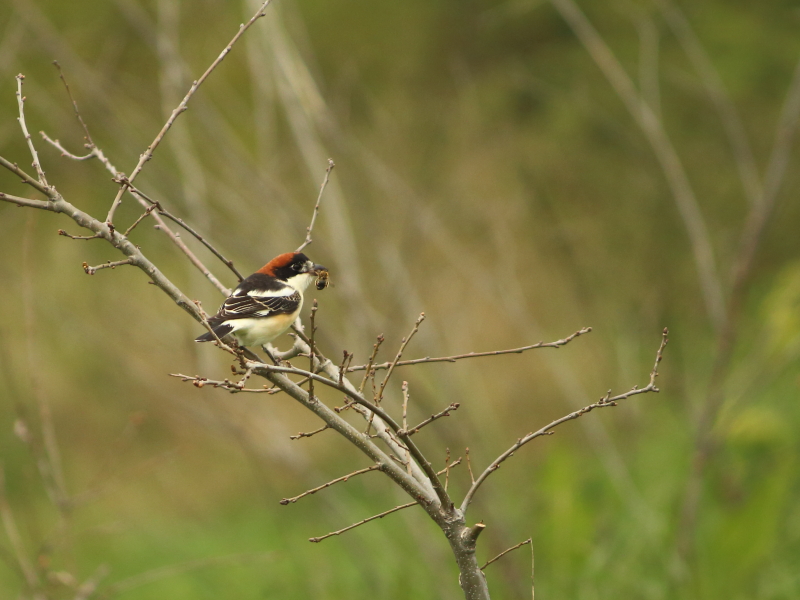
(297, 267)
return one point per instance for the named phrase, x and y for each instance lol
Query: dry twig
(310, 228)
(148, 154)
(504, 552)
(428, 359)
(604, 402)
(286, 501)
(445, 413)
(354, 525)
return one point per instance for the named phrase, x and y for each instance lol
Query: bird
(265, 304)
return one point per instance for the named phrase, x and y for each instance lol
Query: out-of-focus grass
(487, 175)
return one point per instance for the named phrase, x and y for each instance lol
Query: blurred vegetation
(488, 175)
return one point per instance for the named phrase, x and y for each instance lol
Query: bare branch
(446, 470)
(424, 464)
(604, 402)
(21, 102)
(309, 434)
(405, 424)
(148, 154)
(354, 525)
(445, 413)
(147, 203)
(109, 265)
(225, 384)
(469, 466)
(227, 262)
(42, 204)
(399, 355)
(368, 369)
(309, 229)
(89, 141)
(286, 501)
(32, 181)
(64, 152)
(139, 220)
(415, 488)
(455, 463)
(96, 236)
(347, 358)
(312, 348)
(428, 359)
(504, 552)
(139, 194)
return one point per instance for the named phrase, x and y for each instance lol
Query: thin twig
(64, 152)
(139, 220)
(424, 464)
(148, 154)
(89, 141)
(146, 202)
(286, 501)
(108, 265)
(397, 357)
(227, 262)
(368, 367)
(405, 421)
(120, 178)
(80, 237)
(31, 181)
(428, 359)
(225, 384)
(309, 434)
(28, 202)
(455, 463)
(309, 229)
(354, 525)
(312, 351)
(34, 155)
(605, 401)
(446, 469)
(469, 466)
(445, 413)
(347, 358)
(504, 552)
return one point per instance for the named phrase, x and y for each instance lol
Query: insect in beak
(323, 277)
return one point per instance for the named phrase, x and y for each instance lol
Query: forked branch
(428, 359)
(605, 401)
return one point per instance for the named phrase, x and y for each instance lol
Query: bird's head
(296, 269)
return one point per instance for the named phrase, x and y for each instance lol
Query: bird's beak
(317, 270)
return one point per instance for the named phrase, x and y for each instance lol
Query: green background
(486, 174)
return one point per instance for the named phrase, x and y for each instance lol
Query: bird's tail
(221, 330)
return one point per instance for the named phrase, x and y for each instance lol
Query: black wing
(245, 306)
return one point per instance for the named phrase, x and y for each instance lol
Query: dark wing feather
(245, 306)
